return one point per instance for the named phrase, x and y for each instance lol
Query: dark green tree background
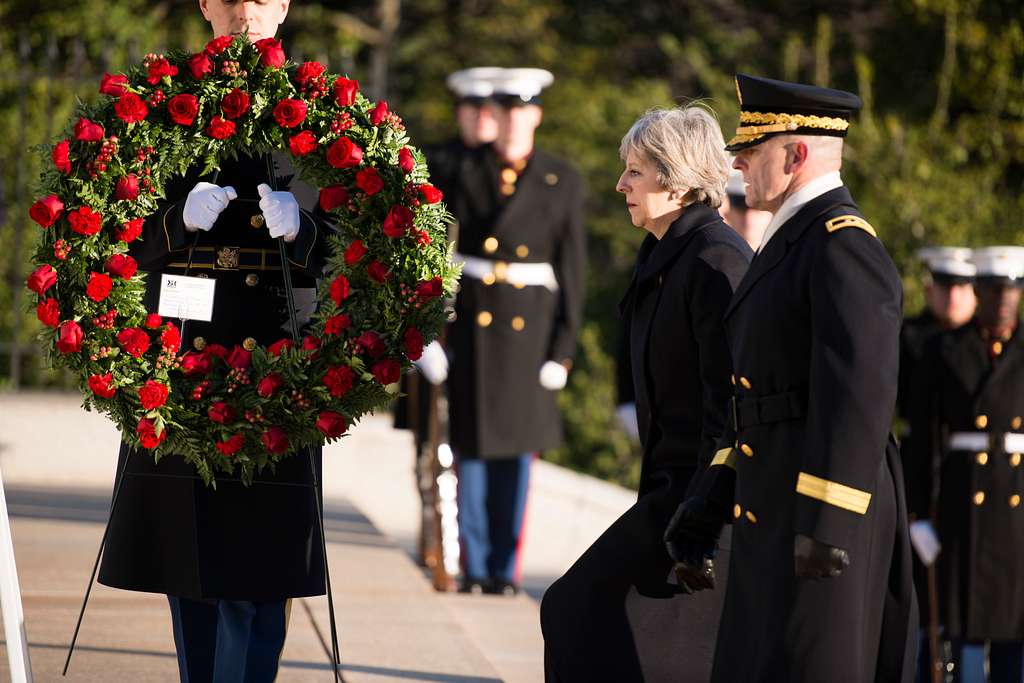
(936, 157)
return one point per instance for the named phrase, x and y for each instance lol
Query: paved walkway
(58, 464)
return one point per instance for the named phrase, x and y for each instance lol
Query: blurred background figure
(966, 400)
(520, 236)
(749, 223)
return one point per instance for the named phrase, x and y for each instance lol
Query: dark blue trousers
(1005, 662)
(492, 502)
(228, 641)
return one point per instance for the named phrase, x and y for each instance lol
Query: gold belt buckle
(227, 258)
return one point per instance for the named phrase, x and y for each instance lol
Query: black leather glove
(816, 560)
(691, 539)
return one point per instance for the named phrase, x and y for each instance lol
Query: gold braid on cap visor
(765, 123)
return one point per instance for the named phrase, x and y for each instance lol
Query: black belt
(748, 411)
(232, 258)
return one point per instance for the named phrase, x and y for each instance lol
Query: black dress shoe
(502, 587)
(474, 586)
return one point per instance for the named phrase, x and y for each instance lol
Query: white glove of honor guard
(553, 376)
(204, 203)
(281, 212)
(626, 413)
(433, 364)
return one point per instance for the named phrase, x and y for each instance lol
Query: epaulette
(849, 221)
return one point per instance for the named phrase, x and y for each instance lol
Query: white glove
(281, 212)
(626, 413)
(204, 204)
(553, 376)
(433, 364)
(925, 541)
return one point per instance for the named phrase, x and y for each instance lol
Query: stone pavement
(58, 464)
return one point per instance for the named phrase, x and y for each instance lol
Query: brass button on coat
(518, 323)
(997, 347)
(199, 343)
(737, 511)
(252, 279)
(522, 251)
(1014, 500)
(752, 517)
(488, 279)
(249, 344)
(1015, 460)
(981, 458)
(981, 421)
(747, 450)
(509, 176)
(1015, 423)
(508, 190)
(745, 383)
(257, 220)
(491, 245)
(484, 318)
(979, 497)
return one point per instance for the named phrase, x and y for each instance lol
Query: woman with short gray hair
(619, 614)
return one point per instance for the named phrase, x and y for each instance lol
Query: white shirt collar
(796, 201)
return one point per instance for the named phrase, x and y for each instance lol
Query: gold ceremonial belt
(231, 259)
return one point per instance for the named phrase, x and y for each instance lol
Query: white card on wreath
(186, 298)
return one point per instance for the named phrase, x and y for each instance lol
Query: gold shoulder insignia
(849, 221)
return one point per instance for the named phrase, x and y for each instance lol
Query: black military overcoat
(169, 532)
(814, 333)
(504, 333)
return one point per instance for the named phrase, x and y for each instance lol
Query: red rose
(183, 109)
(152, 395)
(130, 231)
(48, 312)
(232, 445)
(386, 371)
(339, 379)
(199, 65)
(146, 430)
(239, 358)
(220, 128)
(122, 266)
(218, 45)
(101, 385)
(344, 154)
(218, 351)
(170, 338)
(130, 108)
(275, 440)
(331, 424)
(369, 182)
(302, 144)
(337, 324)
(379, 113)
(339, 289)
(113, 85)
(307, 71)
(127, 188)
(290, 112)
(47, 210)
(235, 103)
(87, 131)
(310, 343)
(69, 337)
(42, 278)
(269, 385)
(345, 91)
(406, 162)
(196, 364)
(413, 342)
(398, 221)
(85, 221)
(378, 271)
(159, 68)
(134, 341)
(61, 156)
(332, 197)
(355, 251)
(153, 321)
(221, 413)
(271, 52)
(431, 195)
(372, 344)
(99, 286)
(430, 289)
(280, 345)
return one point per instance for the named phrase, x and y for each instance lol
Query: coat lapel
(790, 232)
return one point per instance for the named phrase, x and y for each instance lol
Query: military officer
(819, 586)
(229, 559)
(521, 240)
(967, 430)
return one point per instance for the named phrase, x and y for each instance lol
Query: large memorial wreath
(237, 410)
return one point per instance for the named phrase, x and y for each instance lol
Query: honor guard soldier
(819, 584)
(520, 237)
(968, 402)
(749, 223)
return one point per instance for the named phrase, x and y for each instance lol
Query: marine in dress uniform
(967, 426)
(520, 236)
(819, 584)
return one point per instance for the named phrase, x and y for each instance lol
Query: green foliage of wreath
(380, 300)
